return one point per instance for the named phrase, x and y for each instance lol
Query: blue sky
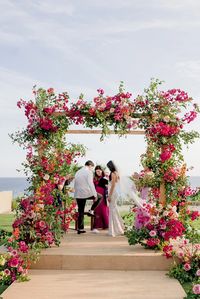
(81, 45)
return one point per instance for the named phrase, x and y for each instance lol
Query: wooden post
(162, 198)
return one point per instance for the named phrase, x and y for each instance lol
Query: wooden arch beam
(111, 132)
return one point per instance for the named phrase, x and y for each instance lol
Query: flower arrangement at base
(186, 267)
(13, 266)
(154, 226)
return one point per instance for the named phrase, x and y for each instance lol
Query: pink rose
(14, 252)
(20, 269)
(42, 224)
(187, 267)
(196, 289)
(198, 272)
(163, 226)
(7, 272)
(180, 255)
(152, 233)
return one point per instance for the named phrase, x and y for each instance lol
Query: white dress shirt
(83, 183)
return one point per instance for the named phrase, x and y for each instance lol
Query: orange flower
(183, 170)
(16, 233)
(28, 264)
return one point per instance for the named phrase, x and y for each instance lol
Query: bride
(116, 226)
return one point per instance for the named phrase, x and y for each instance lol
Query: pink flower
(180, 255)
(198, 272)
(194, 215)
(196, 289)
(92, 111)
(152, 233)
(190, 116)
(14, 252)
(42, 224)
(165, 155)
(167, 249)
(13, 262)
(153, 242)
(100, 91)
(112, 110)
(163, 226)
(20, 269)
(7, 272)
(47, 124)
(187, 267)
(50, 90)
(23, 246)
(171, 174)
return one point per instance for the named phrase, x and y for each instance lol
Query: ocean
(18, 185)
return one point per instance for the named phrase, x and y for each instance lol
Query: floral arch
(40, 221)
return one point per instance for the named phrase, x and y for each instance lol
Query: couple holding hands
(102, 191)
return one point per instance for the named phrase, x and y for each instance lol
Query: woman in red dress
(102, 211)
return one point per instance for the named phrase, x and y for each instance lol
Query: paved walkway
(97, 266)
(97, 284)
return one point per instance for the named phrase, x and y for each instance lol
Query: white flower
(112, 110)
(166, 118)
(46, 177)
(2, 260)
(174, 209)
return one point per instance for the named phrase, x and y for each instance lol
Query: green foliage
(136, 236)
(128, 219)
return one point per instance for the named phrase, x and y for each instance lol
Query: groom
(85, 190)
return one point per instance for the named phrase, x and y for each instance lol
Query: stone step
(100, 252)
(61, 284)
(102, 262)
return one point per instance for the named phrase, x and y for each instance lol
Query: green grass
(196, 223)
(2, 289)
(187, 286)
(6, 221)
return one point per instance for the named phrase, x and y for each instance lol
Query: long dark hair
(111, 166)
(100, 168)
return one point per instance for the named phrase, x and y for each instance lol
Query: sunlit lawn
(2, 289)
(6, 221)
(196, 224)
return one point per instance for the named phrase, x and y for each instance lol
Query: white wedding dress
(116, 225)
